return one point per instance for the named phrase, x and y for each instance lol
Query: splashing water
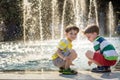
(43, 27)
(37, 55)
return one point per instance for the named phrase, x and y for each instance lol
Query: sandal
(61, 69)
(69, 72)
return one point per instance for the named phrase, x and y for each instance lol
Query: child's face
(91, 36)
(71, 35)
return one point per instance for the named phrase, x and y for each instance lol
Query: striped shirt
(106, 48)
(63, 45)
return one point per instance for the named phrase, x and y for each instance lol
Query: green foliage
(11, 15)
(10, 11)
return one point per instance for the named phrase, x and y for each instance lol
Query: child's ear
(95, 33)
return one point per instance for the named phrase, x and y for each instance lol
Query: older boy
(104, 55)
(65, 54)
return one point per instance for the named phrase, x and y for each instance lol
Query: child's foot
(101, 69)
(69, 72)
(61, 69)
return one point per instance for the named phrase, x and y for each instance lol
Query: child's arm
(59, 53)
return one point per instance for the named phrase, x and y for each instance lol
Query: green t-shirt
(106, 48)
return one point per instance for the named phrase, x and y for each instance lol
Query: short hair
(91, 29)
(71, 27)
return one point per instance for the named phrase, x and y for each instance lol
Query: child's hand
(89, 63)
(98, 51)
(66, 58)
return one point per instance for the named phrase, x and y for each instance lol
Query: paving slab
(54, 75)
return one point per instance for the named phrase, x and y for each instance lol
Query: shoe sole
(69, 73)
(101, 71)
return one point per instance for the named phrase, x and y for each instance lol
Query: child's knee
(73, 53)
(88, 53)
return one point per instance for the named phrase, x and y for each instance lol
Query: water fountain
(43, 28)
(40, 22)
(111, 20)
(93, 13)
(62, 24)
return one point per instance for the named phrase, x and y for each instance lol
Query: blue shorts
(60, 62)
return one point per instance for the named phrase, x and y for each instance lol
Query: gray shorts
(60, 62)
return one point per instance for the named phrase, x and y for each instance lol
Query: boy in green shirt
(64, 55)
(105, 54)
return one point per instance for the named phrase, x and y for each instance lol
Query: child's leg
(58, 62)
(67, 64)
(72, 56)
(90, 55)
